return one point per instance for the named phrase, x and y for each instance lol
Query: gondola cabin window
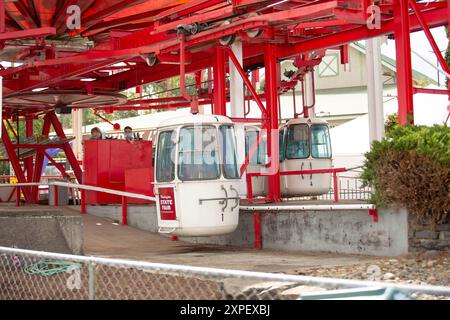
(281, 144)
(165, 165)
(320, 141)
(230, 169)
(198, 155)
(260, 155)
(297, 142)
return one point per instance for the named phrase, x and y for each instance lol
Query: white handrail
(276, 207)
(317, 207)
(227, 273)
(80, 186)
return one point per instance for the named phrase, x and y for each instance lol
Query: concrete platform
(41, 228)
(334, 231)
(104, 237)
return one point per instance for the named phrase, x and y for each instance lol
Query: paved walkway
(105, 238)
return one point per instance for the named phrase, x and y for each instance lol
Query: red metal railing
(334, 171)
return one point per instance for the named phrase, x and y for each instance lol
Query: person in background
(128, 133)
(96, 134)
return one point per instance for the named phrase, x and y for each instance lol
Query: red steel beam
(272, 76)
(66, 146)
(220, 98)
(29, 33)
(15, 162)
(403, 63)
(28, 162)
(430, 91)
(247, 82)
(436, 15)
(59, 166)
(429, 36)
(39, 161)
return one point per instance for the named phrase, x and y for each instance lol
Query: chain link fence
(34, 275)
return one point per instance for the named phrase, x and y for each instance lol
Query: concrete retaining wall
(41, 229)
(352, 232)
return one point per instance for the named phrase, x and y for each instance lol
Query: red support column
(403, 62)
(39, 161)
(66, 147)
(17, 196)
(28, 162)
(83, 201)
(335, 187)
(15, 162)
(272, 76)
(220, 98)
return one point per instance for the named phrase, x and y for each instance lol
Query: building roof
(390, 63)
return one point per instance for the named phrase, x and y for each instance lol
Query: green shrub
(411, 168)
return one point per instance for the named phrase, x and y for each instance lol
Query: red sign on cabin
(167, 204)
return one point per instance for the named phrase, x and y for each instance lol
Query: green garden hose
(48, 268)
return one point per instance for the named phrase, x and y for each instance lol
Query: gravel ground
(426, 268)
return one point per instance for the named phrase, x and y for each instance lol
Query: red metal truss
(123, 44)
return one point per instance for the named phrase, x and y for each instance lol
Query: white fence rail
(27, 274)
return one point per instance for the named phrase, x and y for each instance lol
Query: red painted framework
(133, 32)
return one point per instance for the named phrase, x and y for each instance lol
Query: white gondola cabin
(197, 176)
(305, 145)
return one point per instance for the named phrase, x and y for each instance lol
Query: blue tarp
(52, 153)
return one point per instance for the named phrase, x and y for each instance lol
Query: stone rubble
(424, 268)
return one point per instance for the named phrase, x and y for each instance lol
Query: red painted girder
(436, 16)
(204, 36)
(215, 34)
(141, 76)
(119, 22)
(430, 91)
(149, 5)
(221, 13)
(149, 106)
(186, 8)
(21, 14)
(45, 10)
(54, 75)
(29, 33)
(89, 20)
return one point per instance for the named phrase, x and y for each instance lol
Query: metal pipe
(83, 201)
(335, 187)
(311, 207)
(91, 281)
(184, 93)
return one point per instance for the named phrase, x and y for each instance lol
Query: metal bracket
(160, 230)
(374, 214)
